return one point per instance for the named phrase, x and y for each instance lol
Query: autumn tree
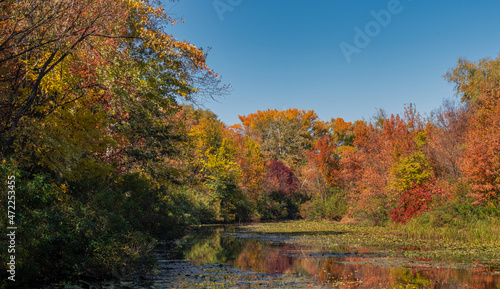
(283, 135)
(217, 159)
(55, 54)
(283, 195)
(387, 159)
(37, 37)
(322, 179)
(252, 165)
(472, 80)
(342, 131)
(478, 84)
(322, 170)
(447, 138)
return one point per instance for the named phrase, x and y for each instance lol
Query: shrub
(414, 201)
(333, 208)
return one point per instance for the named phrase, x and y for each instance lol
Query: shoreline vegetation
(107, 157)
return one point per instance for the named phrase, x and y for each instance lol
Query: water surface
(230, 257)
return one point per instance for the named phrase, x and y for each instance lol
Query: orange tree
(284, 138)
(478, 84)
(387, 159)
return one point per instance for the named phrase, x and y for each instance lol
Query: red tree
(280, 178)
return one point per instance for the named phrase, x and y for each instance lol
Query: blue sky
(287, 54)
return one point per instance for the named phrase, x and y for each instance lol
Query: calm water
(227, 257)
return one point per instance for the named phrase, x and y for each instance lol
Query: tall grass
(485, 232)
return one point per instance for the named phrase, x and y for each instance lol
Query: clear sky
(288, 54)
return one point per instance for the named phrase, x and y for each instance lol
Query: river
(232, 257)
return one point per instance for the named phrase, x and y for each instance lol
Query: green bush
(270, 209)
(458, 213)
(334, 207)
(457, 219)
(98, 225)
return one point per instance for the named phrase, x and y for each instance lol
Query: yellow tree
(252, 164)
(216, 159)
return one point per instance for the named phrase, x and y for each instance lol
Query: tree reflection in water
(343, 267)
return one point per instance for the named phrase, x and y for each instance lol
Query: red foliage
(280, 178)
(414, 201)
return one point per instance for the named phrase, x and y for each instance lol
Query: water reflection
(342, 267)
